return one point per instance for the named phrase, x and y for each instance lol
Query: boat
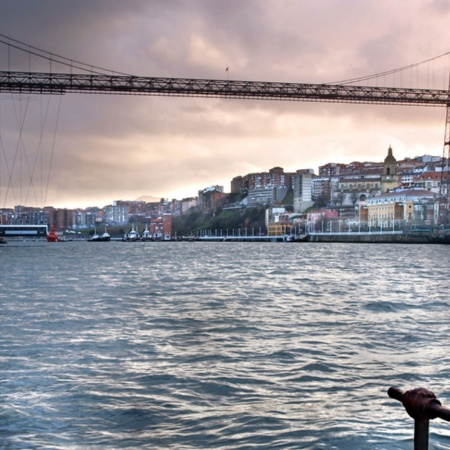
(105, 237)
(146, 235)
(52, 236)
(131, 236)
(94, 237)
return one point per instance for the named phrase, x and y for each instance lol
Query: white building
(302, 191)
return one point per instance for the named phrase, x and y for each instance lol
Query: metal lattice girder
(60, 83)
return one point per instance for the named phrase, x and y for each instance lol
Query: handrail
(422, 405)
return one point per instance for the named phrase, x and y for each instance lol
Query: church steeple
(390, 163)
(389, 179)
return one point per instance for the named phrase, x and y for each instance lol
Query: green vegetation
(220, 219)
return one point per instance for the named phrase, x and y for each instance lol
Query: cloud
(109, 147)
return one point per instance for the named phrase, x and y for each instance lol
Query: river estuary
(191, 345)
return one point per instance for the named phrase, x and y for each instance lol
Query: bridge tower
(444, 187)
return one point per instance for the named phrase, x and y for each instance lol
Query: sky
(81, 150)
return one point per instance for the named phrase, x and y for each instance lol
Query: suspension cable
(388, 72)
(53, 149)
(52, 57)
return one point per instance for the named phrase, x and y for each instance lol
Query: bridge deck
(62, 83)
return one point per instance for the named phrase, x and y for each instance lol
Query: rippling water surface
(220, 345)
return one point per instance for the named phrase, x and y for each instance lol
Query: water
(220, 345)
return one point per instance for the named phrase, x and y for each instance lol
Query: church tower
(389, 179)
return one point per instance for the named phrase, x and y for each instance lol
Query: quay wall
(371, 238)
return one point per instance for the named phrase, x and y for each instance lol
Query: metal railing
(422, 405)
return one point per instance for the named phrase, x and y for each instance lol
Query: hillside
(221, 219)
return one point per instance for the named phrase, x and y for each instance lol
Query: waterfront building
(161, 227)
(60, 218)
(318, 219)
(29, 215)
(277, 221)
(408, 206)
(6, 216)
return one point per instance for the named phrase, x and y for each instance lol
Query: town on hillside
(373, 195)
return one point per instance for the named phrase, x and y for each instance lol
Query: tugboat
(52, 237)
(132, 236)
(146, 235)
(105, 237)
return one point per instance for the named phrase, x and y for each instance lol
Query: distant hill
(148, 199)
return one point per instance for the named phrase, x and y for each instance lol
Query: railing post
(422, 405)
(421, 432)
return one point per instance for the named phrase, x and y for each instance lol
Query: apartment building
(187, 204)
(210, 197)
(275, 177)
(302, 181)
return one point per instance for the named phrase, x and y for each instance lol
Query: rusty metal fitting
(421, 404)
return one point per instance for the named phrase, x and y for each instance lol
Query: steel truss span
(60, 83)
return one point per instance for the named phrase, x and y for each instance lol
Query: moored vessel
(52, 236)
(131, 236)
(105, 237)
(146, 235)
